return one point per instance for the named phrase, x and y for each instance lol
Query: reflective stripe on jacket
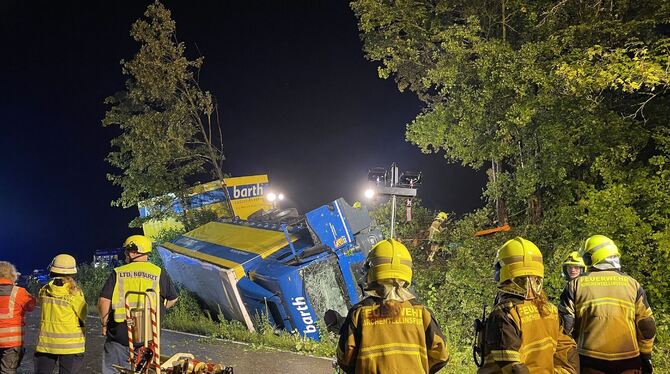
(411, 342)
(517, 334)
(608, 314)
(14, 302)
(135, 276)
(62, 319)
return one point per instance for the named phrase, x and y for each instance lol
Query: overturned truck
(276, 264)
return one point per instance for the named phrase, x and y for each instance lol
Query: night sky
(298, 101)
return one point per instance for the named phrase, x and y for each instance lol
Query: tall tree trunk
(500, 206)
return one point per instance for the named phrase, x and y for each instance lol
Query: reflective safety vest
(138, 277)
(609, 316)
(411, 342)
(516, 334)
(62, 319)
(14, 301)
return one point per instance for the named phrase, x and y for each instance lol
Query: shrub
(91, 279)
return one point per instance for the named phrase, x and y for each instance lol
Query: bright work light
(369, 193)
(392, 183)
(271, 197)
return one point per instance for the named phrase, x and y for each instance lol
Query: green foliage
(417, 228)
(187, 316)
(91, 279)
(496, 86)
(170, 131)
(197, 217)
(568, 103)
(33, 287)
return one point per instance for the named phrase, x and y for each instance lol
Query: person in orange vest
(15, 301)
(63, 312)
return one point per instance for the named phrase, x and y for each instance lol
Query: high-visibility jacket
(135, 276)
(62, 319)
(520, 340)
(608, 315)
(411, 342)
(14, 303)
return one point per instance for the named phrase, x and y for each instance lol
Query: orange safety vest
(14, 302)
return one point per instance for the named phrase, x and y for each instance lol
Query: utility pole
(397, 184)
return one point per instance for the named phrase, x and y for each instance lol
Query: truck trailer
(276, 264)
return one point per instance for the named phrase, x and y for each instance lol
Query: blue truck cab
(276, 264)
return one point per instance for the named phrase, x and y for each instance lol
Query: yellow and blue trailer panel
(246, 197)
(230, 246)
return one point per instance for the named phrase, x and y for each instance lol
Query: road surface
(243, 358)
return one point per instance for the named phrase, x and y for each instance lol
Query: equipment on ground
(144, 328)
(276, 265)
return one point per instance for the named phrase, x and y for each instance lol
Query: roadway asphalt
(243, 358)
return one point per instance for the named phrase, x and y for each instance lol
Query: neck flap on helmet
(528, 287)
(389, 289)
(610, 263)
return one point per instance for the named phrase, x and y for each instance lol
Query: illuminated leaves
(568, 98)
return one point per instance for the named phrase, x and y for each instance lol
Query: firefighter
(15, 301)
(389, 331)
(608, 313)
(573, 266)
(63, 312)
(435, 228)
(136, 275)
(523, 332)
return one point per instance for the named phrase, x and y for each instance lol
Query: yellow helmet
(63, 264)
(139, 243)
(597, 248)
(389, 259)
(442, 216)
(517, 258)
(574, 259)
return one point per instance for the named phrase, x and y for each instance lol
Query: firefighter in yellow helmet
(608, 314)
(389, 331)
(63, 312)
(435, 228)
(138, 274)
(523, 332)
(573, 266)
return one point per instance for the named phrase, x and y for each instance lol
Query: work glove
(647, 367)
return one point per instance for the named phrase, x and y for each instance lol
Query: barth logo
(247, 191)
(300, 305)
